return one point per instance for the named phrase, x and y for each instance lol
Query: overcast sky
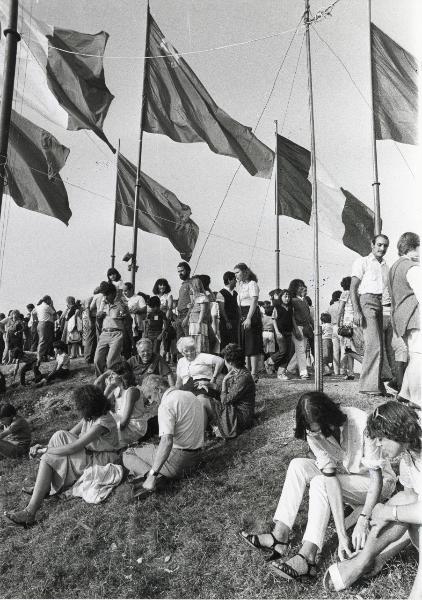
(43, 256)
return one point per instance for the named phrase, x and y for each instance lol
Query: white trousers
(303, 472)
(299, 357)
(411, 388)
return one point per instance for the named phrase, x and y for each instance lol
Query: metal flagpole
(376, 184)
(113, 247)
(12, 39)
(277, 213)
(138, 169)
(317, 327)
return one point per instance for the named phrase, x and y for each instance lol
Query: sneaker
(282, 377)
(349, 377)
(304, 376)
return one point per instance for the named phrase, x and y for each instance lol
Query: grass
(182, 542)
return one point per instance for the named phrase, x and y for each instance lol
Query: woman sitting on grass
(93, 441)
(396, 429)
(197, 372)
(15, 438)
(347, 469)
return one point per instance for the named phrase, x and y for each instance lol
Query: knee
(317, 485)
(299, 466)
(60, 438)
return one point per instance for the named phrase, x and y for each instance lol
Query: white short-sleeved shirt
(373, 276)
(63, 361)
(182, 415)
(411, 472)
(45, 312)
(356, 453)
(247, 290)
(202, 367)
(327, 331)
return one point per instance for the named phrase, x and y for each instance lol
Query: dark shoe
(282, 569)
(21, 517)
(252, 539)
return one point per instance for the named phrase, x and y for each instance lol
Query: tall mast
(317, 327)
(277, 214)
(12, 39)
(138, 168)
(376, 183)
(113, 247)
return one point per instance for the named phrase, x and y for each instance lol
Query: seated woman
(236, 411)
(396, 429)
(15, 438)
(348, 468)
(93, 441)
(197, 372)
(148, 363)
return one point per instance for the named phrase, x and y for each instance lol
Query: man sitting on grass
(181, 422)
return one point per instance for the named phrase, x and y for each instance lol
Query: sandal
(287, 572)
(252, 539)
(21, 517)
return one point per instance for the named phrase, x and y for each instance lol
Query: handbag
(74, 336)
(345, 331)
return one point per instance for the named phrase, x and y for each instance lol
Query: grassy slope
(184, 538)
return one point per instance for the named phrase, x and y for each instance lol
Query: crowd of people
(186, 368)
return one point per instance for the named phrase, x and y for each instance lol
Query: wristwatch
(154, 473)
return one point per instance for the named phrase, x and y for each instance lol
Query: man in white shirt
(369, 290)
(138, 310)
(181, 423)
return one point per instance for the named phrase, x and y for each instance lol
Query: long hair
(249, 275)
(395, 422)
(156, 288)
(317, 407)
(197, 286)
(90, 402)
(294, 286)
(113, 271)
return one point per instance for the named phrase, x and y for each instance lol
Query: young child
(30, 363)
(283, 326)
(61, 370)
(155, 323)
(327, 343)
(268, 331)
(169, 339)
(15, 439)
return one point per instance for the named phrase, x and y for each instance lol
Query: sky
(40, 255)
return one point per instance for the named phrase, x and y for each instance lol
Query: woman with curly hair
(236, 411)
(396, 428)
(347, 468)
(92, 441)
(162, 289)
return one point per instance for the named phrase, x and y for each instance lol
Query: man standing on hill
(184, 301)
(369, 291)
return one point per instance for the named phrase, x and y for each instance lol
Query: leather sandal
(282, 569)
(252, 539)
(21, 517)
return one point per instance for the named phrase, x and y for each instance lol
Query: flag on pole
(34, 160)
(160, 211)
(57, 79)
(395, 89)
(179, 106)
(340, 214)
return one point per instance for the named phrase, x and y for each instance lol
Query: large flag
(178, 105)
(160, 211)
(395, 89)
(34, 160)
(55, 76)
(340, 215)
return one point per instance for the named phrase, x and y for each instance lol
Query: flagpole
(113, 247)
(277, 213)
(12, 39)
(376, 184)
(317, 327)
(138, 169)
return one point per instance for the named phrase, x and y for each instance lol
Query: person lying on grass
(130, 412)
(92, 441)
(397, 430)
(348, 468)
(15, 437)
(181, 423)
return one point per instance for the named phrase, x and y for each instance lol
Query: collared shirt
(373, 276)
(115, 314)
(45, 313)
(95, 304)
(184, 298)
(201, 367)
(247, 291)
(183, 416)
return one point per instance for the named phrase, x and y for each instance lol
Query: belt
(189, 449)
(370, 294)
(112, 329)
(387, 305)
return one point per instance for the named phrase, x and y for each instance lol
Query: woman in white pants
(348, 468)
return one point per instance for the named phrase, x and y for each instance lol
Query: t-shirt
(63, 361)
(333, 311)
(411, 472)
(109, 440)
(182, 415)
(247, 290)
(155, 322)
(301, 311)
(19, 433)
(267, 323)
(284, 318)
(327, 331)
(135, 303)
(202, 367)
(184, 298)
(45, 312)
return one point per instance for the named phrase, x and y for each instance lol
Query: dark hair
(7, 410)
(294, 286)
(112, 271)
(206, 280)
(90, 402)
(234, 355)
(123, 369)
(2, 383)
(129, 285)
(250, 275)
(59, 345)
(382, 235)
(30, 306)
(345, 283)
(156, 288)
(16, 353)
(325, 318)
(335, 296)
(308, 300)
(154, 302)
(3, 316)
(98, 289)
(59, 313)
(106, 288)
(228, 276)
(47, 299)
(407, 241)
(146, 297)
(396, 422)
(317, 407)
(185, 266)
